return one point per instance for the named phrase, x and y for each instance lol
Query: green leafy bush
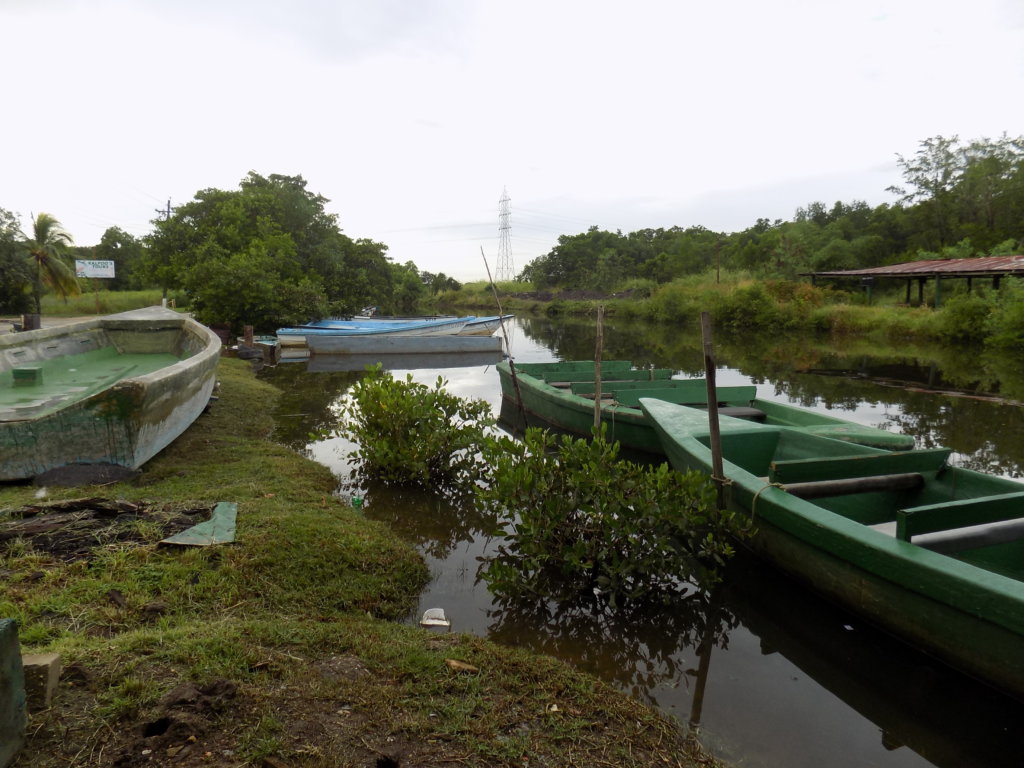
(1006, 322)
(586, 521)
(964, 318)
(407, 432)
(749, 306)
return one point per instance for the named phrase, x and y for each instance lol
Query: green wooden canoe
(932, 553)
(561, 394)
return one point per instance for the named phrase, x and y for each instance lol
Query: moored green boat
(933, 554)
(561, 394)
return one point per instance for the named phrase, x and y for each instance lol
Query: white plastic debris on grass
(434, 617)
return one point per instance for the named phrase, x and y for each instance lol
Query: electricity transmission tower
(504, 270)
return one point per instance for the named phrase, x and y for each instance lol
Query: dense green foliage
(407, 432)
(15, 275)
(269, 254)
(958, 200)
(580, 519)
(584, 522)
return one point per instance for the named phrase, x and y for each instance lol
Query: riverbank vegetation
(282, 646)
(268, 254)
(740, 302)
(578, 521)
(585, 527)
(959, 200)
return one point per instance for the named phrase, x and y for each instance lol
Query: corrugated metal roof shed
(986, 266)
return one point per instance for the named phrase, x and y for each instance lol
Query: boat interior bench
(565, 379)
(863, 473)
(611, 384)
(696, 397)
(964, 523)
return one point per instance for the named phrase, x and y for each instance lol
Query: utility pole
(504, 269)
(166, 213)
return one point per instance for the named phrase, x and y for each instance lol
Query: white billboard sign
(93, 268)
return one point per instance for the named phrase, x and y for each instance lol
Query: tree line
(267, 254)
(958, 200)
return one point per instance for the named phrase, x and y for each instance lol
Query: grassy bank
(278, 649)
(99, 302)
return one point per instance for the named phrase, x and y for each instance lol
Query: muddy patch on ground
(72, 530)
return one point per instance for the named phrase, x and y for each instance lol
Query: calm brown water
(786, 679)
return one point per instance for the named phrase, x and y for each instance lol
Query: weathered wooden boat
(110, 390)
(562, 394)
(932, 553)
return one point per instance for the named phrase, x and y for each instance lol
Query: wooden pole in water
(508, 349)
(717, 473)
(599, 346)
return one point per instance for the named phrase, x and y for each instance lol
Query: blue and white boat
(447, 326)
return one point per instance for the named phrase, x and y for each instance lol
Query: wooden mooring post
(717, 472)
(508, 347)
(599, 347)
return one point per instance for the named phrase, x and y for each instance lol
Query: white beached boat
(112, 390)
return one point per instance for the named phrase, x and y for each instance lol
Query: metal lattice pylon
(504, 270)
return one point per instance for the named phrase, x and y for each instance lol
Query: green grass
(296, 617)
(99, 303)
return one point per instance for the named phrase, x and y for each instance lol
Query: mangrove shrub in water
(407, 432)
(586, 522)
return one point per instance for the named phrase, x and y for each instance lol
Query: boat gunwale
(950, 581)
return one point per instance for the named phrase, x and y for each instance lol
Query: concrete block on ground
(42, 673)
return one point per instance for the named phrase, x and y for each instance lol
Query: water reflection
(775, 676)
(638, 647)
(946, 718)
(434, 524)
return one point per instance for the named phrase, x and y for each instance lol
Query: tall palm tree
(45, 256)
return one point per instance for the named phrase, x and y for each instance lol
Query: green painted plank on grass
(219, 529)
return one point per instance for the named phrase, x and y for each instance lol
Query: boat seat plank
(690, 397)
(539, 369)
(638, 374)
(820, 489)
(743, 412)
(864, 465)
(961, 513)
(588, 387)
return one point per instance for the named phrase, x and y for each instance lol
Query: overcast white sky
(411, 116)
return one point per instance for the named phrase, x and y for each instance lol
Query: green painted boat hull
(561, 394)
(965, 607)
(127, 385)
